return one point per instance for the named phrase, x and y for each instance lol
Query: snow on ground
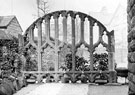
(72, 89)
(60, 89)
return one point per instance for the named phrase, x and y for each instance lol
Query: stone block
(131, 46)
(129, 28)
(133, 20)
(131, 67)
(112, 76)
(130, 14)
(130, 36)
(131, 57)
(132, 86)
(131, 3)
(131, 77)
(131, 92)
(133, 11)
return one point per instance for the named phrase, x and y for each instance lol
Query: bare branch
(43, 7)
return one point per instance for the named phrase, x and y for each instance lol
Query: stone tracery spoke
(56, 44)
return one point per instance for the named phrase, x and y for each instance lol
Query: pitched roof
(5, 21)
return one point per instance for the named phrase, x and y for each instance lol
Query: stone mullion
(113, 50)
(109, 53)
(82, 28)
(91, 45)
(111, 63)
(131, 50)
(73, 41)
(47, 27)
(32, 33)
(65, 29)
(101, 30)
(39, 26)
(56, 22)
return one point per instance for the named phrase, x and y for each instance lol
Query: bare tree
(43, 7)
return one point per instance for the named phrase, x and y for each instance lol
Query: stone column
(47, 27)
(131, 45)
(64, 21)
(111, 61)
(91, 22)
(56, 23)
(73, 40)
(82, 17)
(111, 51)
(73, 44)
(39, 26)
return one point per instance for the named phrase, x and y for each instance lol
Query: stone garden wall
(131, 45)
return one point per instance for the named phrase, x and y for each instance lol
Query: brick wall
(131, 45)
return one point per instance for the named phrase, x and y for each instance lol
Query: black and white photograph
(67, 47)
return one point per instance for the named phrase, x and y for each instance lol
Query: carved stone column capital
(82, 17)
(64, 14)
(47, 17)
(39, 22)
(56, 15)
(72, 14)
(92, 22)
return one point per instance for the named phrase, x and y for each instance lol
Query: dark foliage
(31, 62)
(10, 61)
(100, 61)
(80, 63)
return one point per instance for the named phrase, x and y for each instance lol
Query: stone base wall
(131, 45)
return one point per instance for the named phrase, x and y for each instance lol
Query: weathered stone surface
(112, 77)
(133, 20)
(132, 11)
(131, 77)
(131, 47)
(131, 57)
(131, 67)
(130, 14)
(133, 31)
(132, 87)
(130, 4)
(129, 28)
(130, 36)
(128, 19)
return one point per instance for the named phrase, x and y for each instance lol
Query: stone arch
(43, 47)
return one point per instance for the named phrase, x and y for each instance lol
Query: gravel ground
(72, 89)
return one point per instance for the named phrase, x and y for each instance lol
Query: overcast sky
(26, 9)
